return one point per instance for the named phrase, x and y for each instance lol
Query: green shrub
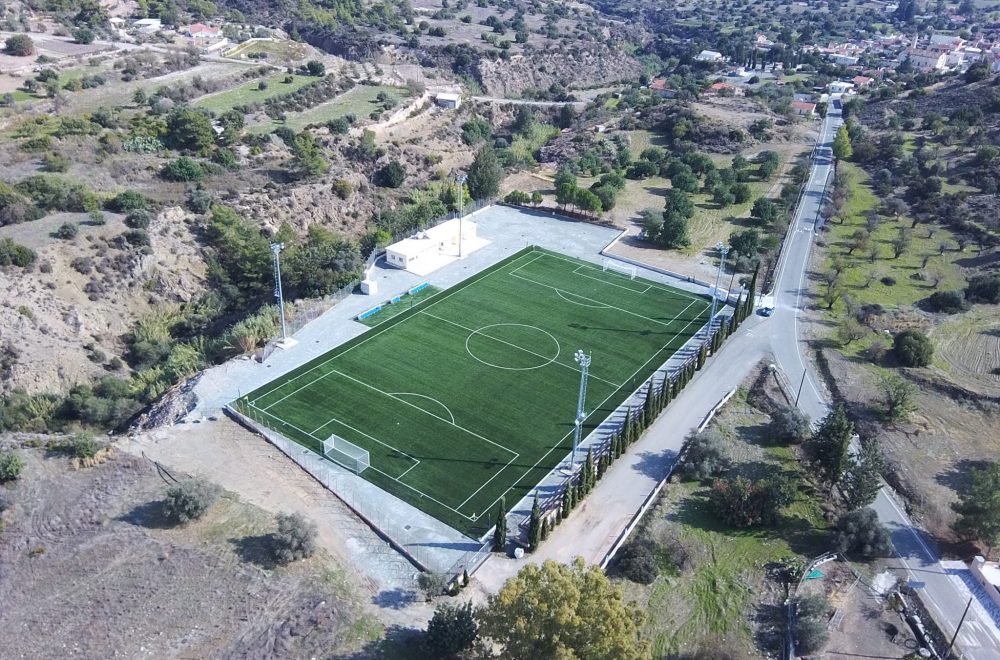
(183, 169)
(295, 538)
(912, 348)
(53, 162)
(860, 533)
(790, 425)
(11, 465)
(190, 499)
(984, 289)
(138, 219)
(83, 445)
(948, 302)
(55, 193)
(128, 200)
(450, 631)
(14, 254)
(19, 45)
(636, 560)
(391, 175)
(66, 231)
(704, 455)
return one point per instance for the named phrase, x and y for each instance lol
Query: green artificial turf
(391, 310)
(470, 396)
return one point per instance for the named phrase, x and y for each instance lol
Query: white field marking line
(426, 412)
(372, 467)
(653, 285)
(529, 263)
(576, 271)
(429, 398)
(486, 483)
(577, 302)
(374, 333)
(521, 348)
(480, 332)
(624, 311)
(597, 407)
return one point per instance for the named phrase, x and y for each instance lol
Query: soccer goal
(619, 267)
(347, 454)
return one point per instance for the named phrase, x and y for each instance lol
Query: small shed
(448, 100)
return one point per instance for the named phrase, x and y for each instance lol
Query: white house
(448, 100)
(201, 31)
(708, 56)
(840, 87)
(148, 25)
(927, 60)
(435, 247)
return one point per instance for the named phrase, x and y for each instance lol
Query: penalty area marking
(577, 302)
(429, 398)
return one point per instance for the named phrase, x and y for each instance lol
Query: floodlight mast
(461, 178)
(723, 250)
(584, 361)
(276, 249)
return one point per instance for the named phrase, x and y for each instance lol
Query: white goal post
(346, 454)
(619, 267)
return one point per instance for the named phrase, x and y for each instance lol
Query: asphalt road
(979, 637)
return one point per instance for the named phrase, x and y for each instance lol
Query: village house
(724, 89)
(201, 31)
(803, 109)
(708, 56)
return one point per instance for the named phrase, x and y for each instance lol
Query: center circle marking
(543, 361)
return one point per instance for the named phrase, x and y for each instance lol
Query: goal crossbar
(619, 267)
(346, 453)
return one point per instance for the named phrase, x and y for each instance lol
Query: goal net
(347, 454)
(620, 268)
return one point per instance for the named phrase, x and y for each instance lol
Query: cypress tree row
(702, 354)
(567, 500)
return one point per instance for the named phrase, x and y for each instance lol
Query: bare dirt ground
(247, 465)
(88, 568)
(862, 623)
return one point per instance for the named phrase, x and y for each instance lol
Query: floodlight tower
(276, 249)
(581, 414)
(461, 208)
(723, 250)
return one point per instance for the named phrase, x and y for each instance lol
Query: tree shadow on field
(395, 599)
(257, 549)
(956, 477)
(151, 515)
(655, 464)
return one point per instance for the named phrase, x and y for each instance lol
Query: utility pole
(947, 654)
(286, 341)
(461, 209)
(584, 361)
(801, 383)
(723, 250)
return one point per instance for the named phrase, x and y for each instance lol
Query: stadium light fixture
(276, 249)
(723, 250)
(584, 361)
(461, 178)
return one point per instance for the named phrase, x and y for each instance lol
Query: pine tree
(535, 526)
(500, 531)
(830, 445)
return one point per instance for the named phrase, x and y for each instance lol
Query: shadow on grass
(956, 477)
(257, 549)
(151, 515)
(395, 599)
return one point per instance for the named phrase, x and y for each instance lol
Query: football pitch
(470, 396)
